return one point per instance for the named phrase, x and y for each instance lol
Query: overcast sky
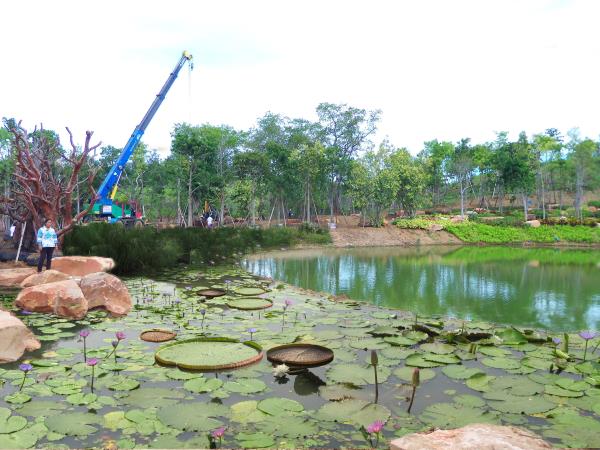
(437, 69)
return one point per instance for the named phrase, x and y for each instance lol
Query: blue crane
(105, 206)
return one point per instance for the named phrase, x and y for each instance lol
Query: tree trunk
(190, 212)
(578, 190)
(222, 208)
(462, 198)
(525, 205)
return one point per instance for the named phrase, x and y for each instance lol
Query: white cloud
(437, 69)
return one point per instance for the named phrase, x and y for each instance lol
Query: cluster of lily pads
(467, 372)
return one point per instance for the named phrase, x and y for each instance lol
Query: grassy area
(479, 255)
(143, 249)
(474, 232)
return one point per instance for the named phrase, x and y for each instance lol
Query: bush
(146, 249)
(594, 203)
(413, 224)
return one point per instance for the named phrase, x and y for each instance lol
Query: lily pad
(250, 303)
(406, 373)
(277, 406)
(200, 385)
(453, 415)
(192, 416)
(209, 353)
(73, 424)
(249, 291)
(255, 440)
(10, 424)
(356, 374)
(245, 386)
(460, 372)
(354, 411)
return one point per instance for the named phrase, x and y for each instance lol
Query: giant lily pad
(209, 354)
(250, 303)
(249, 291)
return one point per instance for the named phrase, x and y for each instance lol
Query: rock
(82, 265)
(533, 223)
(458, 219)
(105, 290)
(436, 227)
(472, 437)
(12, 278)
(62, 298)
(15, 338)
(47, 276)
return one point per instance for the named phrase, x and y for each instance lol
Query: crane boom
(108, 188)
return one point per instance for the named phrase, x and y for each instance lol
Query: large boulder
(81, 266)
(107, 291)
(62, 298)
(47, 276)
(12, 278)
(472, 437)
(15, 338)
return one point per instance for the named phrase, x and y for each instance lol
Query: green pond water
(470, 372)
(555, 289)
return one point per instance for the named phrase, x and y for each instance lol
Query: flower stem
(412, 399)
(585, 350)
(23, 382)
(92, 379)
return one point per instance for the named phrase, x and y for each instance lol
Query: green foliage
(146, 249)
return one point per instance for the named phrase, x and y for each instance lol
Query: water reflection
(547, 288)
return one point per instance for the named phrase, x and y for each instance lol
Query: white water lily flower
(280, 371)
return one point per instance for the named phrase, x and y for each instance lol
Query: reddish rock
(472, 437)
(62, 298)
(12, 278)
(107, 291)
(47, 276)
(15, 338)
(533, 223)
(82, 265)
(458, 219)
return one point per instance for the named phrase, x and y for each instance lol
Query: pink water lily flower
(218, 433)
(120, 335)
(375, 427)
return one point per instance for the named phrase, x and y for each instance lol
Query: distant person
(209, 221)
(290, 214)
(12, 230)
(47, 241)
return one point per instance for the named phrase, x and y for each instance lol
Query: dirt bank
(389, 236)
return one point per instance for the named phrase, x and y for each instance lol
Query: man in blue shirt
(47, 241)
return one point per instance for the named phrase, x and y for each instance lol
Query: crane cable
(190, 68)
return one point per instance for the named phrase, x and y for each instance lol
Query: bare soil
(389, 235)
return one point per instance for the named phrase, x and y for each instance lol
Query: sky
(442, 70)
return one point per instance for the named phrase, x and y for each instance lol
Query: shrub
(146, 249)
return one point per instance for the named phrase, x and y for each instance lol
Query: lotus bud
(374, 358)
(473, 349)
(566, 343)
(416, 378)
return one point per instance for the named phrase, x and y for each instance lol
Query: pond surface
(469, 372)
(555, 289)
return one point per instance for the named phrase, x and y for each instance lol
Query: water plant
(281, 371)
(92, 363)
(214, 435)
(374, 362)
(252, 331)
(415, 381)
(120, 335)
(84, 334)
(26, 368)
(372, 430)
(286, 304)
(203, 312)
(586, 336)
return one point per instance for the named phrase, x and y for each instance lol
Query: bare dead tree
(45, 177)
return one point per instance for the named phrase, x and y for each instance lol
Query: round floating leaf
(250, 303)
(469, 400)
(406, 373)
(518, 404)
(247, 412)
(501, 363)
(399, 340)
(515, 385)
(151, 397)
(200, 385)
(192, 416)
(452, 415)
(479, 381)
(572, 385)
(368, 344)
(493, 351)
(18, 398)
(72, 424)
(295, 427)
(126, 384)
(575, 430)
(460, 372)
(444, 359)
(82, 399)
(560, 392)
(356, 374)
(255, 440)
(20, 439)
(354, 411)
(440, 349)
(276, 406)
(417, 360)
(209, 353)
(245, 386)
(249, 291)
(10, 424)
(41, 408)
(337, 392)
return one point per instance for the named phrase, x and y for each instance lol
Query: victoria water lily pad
(249, 291)
(250, 303)
(209, 353)
(300, 355)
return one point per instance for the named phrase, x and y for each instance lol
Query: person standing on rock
(47, 241)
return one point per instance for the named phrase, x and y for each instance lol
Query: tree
(435, 158)
(252, 166)
(544, 145)
(461, 167)
(409, 180)
(309, 160)
(45, 176)
(344, 131)
(582, 156)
